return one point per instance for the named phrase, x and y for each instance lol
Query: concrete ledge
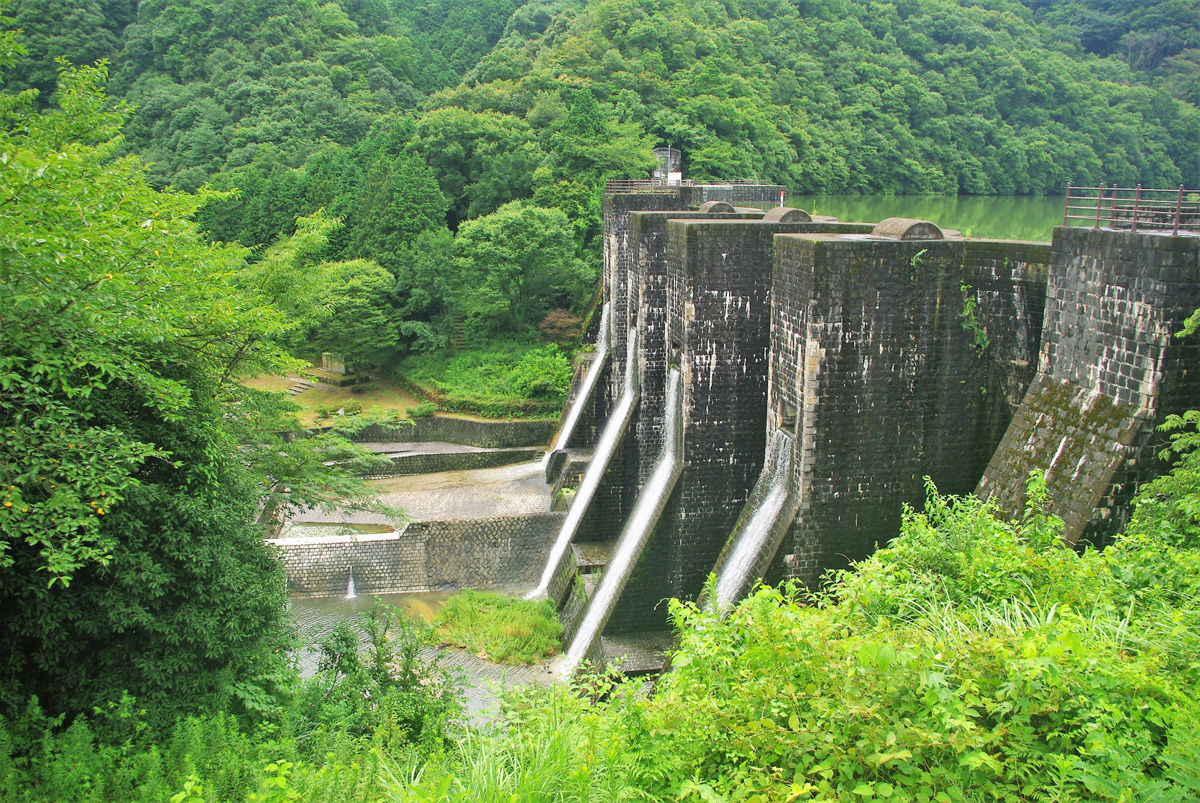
(404, 465)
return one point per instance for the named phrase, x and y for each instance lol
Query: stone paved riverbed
(480, 493)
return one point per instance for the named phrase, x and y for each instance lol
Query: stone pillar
(884, 365)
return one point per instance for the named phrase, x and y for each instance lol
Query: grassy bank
(506, 380)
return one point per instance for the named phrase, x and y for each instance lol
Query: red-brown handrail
(1134, 208)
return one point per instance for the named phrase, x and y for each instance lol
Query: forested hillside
(1160, 40)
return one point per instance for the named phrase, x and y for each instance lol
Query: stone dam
(769, 390)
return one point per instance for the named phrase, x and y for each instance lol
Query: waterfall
(759, 529)
(636, 533)
(614, 429)
(603, 343)
(350, 594)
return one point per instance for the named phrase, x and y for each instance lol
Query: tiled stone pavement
(481, 493)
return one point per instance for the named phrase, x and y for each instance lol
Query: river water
(315, 618)
(998, 217)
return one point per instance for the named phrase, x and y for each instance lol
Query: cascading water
(590, 379)
(636, 533)
(614, 429)
(350, 593)
(759, 529)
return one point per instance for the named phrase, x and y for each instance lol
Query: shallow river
(315, 618)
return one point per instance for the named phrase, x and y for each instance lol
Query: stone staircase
(301, 385)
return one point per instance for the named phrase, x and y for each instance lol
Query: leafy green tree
(482, 159)
(358, 322)
(132, 464)
(515, 265)
(83, 30)
(398, 200)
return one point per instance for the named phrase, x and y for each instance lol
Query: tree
(515, 265)
(359, 324)
(398, 200)
(132, 463)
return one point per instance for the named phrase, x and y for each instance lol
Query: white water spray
(590, 379)
(633, 538)
(350, 593)
(605, 447)
(756, 536)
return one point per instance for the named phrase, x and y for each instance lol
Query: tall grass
(500, 628)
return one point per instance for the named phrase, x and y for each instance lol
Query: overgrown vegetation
(501, 628)
(970, 660)
(506, 380)
(338, 736)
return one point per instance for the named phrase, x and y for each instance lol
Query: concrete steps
(301, 385)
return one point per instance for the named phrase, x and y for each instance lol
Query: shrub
(425, 409)
(506, 381)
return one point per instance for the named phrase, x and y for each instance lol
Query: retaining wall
(404, 465)
(502, 551)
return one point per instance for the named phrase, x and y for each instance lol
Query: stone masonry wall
(648, 292)
(876, 364)
(404, 465)
(1110, 370)
(718, 304)
(466, 432)
(494, 552)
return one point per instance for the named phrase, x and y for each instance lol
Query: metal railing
(621, 185)
(618, 185)
(1133, 208)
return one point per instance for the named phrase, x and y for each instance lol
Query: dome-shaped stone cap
(716, 206)
(905, 228)
(786, 214)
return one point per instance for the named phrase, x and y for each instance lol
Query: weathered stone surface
(466, 431)
(433, 462)
(494, 552)
(717, 329)
(877, 371)
(786, 214)
(903, 228)
(716, 206)
(1110, 370)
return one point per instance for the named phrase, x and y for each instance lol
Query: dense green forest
(407, 120)
(371, 175)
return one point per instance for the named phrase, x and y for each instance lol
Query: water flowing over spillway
(590, 379)
(633, 538)
(614, 429)
(760, 528)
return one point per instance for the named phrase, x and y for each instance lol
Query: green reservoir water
(996, 217)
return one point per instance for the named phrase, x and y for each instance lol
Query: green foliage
(969, 317)
(514, 266)
(358, 322)
(397, 201)
(390, 690)
(337, 738)
(1168, 508)
(969, 660)
(506, 380)
(504, 629)
(425, 409)
(132, 464)
(1159, 40)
